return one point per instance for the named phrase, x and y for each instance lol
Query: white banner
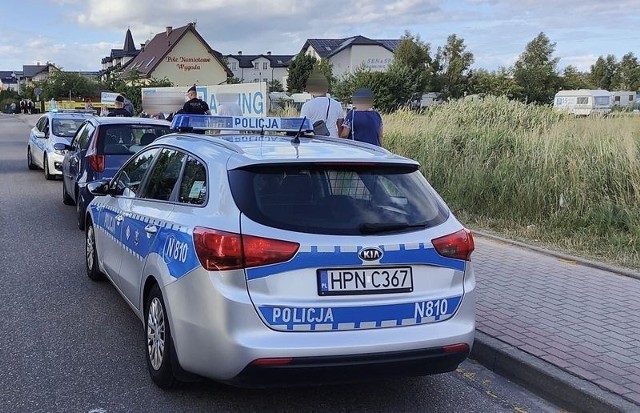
(108, 98)
(251, 97)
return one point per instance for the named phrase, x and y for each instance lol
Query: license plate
(370, 280)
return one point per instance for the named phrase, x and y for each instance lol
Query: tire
(66, 198)
(32, 166)
(80, 210)
(91, 255)
(158, 341)
(45, 166)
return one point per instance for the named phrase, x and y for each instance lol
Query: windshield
(66, 127)
(346, 200)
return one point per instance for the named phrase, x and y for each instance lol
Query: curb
(582, 261)
(546, 380)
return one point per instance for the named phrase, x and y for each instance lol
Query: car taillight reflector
(221, 250)
(458, 245)
(282, 361)
(96, 162)
(456, 348)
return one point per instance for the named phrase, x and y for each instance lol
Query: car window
(164, 176)
(82, 138)
(123, 139)
(349, 200)
(42, 123)
(127, 181)
(193, 187)
(65, 127)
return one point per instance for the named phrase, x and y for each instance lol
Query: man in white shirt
(322, 107)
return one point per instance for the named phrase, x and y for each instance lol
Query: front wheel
(45, 165)
(30, 163)
(66, 198)
(158, 340)
(80, 213)
(91, 254)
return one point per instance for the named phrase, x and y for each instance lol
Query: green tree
(325, 67)
(299, 71)
(627, 75)
(131, 86)
(274, 86)
(573, 79)
(535, 71)
(603, 72)
(498, 83)
(454, 63)
(412, 60)
(65, 85)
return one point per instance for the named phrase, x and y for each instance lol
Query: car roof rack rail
(240, 124)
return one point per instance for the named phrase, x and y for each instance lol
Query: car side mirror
(40, 134)
(99, 188)
(61, 147)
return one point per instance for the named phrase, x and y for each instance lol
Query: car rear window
(341, 200)
(127, 139)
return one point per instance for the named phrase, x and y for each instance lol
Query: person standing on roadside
(195, 105)
(119, 111)
(322, 108)
(363, 123)
(128, 105)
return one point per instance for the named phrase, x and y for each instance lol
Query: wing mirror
(40, 134)
(99, 188)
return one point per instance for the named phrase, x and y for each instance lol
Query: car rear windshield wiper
(376, 228)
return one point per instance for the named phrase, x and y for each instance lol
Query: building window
(256, 65)
(583, 101)
(256, 80)
(265, 65)
(265, 80)
(234, 65)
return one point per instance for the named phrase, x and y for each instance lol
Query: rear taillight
(96, 162)
(220, 250)
(457, 245)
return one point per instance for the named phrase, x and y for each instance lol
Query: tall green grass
(531, 172)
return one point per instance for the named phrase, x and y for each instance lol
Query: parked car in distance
(98, 149)
(48, 138)
(267, 259)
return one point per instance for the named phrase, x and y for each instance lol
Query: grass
(532, 174)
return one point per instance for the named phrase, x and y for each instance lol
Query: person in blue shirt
(363, 123)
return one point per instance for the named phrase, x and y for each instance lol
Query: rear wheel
(93, 271)
(158, 340)
(66, 198)
(45, 165)
(30, 163)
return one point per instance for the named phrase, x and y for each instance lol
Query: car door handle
(119, 218)
(151, 229)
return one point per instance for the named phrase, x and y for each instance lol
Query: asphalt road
(68, 344)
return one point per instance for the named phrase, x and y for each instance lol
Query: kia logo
(370, 254)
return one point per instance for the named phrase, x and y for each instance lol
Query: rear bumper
(304, 371)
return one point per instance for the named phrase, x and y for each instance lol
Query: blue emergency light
(240, 123)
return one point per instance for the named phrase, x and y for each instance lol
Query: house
(182, 56)
(259, 68)
(34, 73)
(347, 55)
(9, 80)
(119, 58)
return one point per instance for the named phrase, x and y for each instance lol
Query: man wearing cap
(194, 105)
(363, 123)
(322, 107)
(119, 111)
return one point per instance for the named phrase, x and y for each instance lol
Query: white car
(262, 259)
(49, 138)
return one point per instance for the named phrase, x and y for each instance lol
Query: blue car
(98, 149)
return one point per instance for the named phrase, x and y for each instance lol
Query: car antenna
(297, 138)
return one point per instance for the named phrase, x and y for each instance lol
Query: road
(72, 345)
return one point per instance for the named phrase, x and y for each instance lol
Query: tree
(274, 86)
(603, 71)
(498, 83)
(65, 85)
(627, 75)
(299, 71)
(535, 71)
(454, 63)
(325, 67)
(573, 79)
(412, 60)
(131, 86)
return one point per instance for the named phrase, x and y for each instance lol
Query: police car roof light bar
(239, 123)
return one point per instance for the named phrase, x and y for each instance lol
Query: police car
(258, 258)
(49, 138)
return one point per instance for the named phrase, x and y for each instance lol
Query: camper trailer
(583, 102)
(624, 99)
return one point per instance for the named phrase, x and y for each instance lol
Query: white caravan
(583, 102)
(623, 98)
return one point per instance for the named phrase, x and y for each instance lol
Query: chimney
(142, 45)
(169, 30)
(240, 52)
(269, 53)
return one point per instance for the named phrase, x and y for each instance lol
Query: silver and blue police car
(259, 258)
(49, 138)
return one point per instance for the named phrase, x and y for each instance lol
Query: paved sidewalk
(566, 330)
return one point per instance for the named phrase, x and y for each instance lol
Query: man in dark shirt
(194, 105)
(120, 111)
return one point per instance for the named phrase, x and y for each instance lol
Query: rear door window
(193, 186)
(83, 135)
(164, 176)
(128, 181)
(123, 139)
(351, 200)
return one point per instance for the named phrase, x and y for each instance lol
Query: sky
(76, 34)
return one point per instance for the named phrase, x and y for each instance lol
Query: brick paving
(581, 319)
